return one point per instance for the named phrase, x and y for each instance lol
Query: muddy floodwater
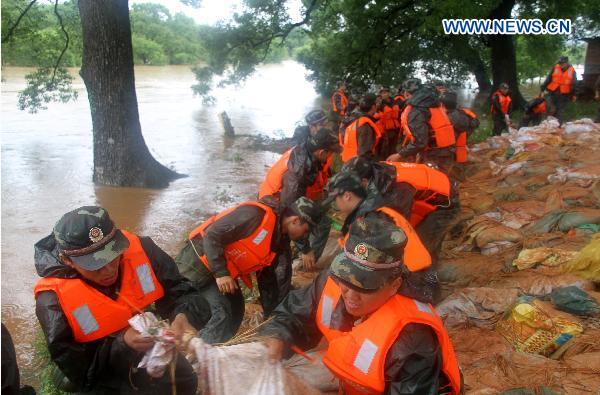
(47, 167)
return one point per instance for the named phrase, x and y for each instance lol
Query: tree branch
(62, 27)
(16, 24)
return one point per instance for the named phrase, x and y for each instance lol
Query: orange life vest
(343, 102)
(250, 254)
(461, 139)
(441, 130)
(429, 183)
(357, 357)
(350, 144)
(561, 79)
(389, 118)
(540, 108)
(93, 315)
(504, 101)
(416, 256)
(273, 182)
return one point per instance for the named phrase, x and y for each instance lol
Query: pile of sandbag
(519, 271)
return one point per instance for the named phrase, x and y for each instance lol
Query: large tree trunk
(481, 75)
(504, 57)
(121, 157)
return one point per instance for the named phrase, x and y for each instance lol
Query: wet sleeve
(419, 127)
(366, 140)
(338, 103)
(294, 187)
(82, 363)
(496, 105)
(404, 194)
(180, 296)
(546, 81)
(274, 281)
(413, 364)
(237, 225)
(293, 320)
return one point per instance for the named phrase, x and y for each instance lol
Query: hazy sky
(210, 12)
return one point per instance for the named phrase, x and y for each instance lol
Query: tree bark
(121, 157)
(504, 57)
(481, 76)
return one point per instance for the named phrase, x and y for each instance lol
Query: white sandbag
(243, 369)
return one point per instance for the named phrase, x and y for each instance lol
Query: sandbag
(564, 221)
(547, 256)
(530, 328)
(481, 307)
(587, 263)
(575, 301)
(243, 369)
(484, 233)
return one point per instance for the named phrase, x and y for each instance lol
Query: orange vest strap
(504, 101)
(350, 144)
(416, 256)
(561, 79)
(441, 127)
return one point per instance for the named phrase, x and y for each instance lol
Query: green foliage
(38, 40)
(382, 42)
(158, 37)
(44, 86)
(147, 51)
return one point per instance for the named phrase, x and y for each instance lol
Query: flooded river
(47, 167)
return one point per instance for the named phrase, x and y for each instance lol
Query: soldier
(378, 341)
(95, 277)
(253, 237)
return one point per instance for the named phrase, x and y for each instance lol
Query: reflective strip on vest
(364, 357)
(260, 236)
(85, 319)
(327, 311)
(423, 307)
(145, 277)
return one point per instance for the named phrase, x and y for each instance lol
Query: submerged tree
(121, 157)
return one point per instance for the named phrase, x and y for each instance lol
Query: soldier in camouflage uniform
(87, 267)
(353, 298)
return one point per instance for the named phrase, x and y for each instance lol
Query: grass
(47, 386)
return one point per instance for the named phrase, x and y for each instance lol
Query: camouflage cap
(367, 101)
(315, 116)
(363, 167)
(373, 254)
(384, 88)
(563, 59)
(345, 181)
(324, 139)
(449, 99)
(308, 210)
(411, 85)
(89, 238)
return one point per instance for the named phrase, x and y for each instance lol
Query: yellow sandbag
(546, 256)
(586, 263)
(529, 328)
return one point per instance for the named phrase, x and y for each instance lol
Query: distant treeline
(159, 38)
